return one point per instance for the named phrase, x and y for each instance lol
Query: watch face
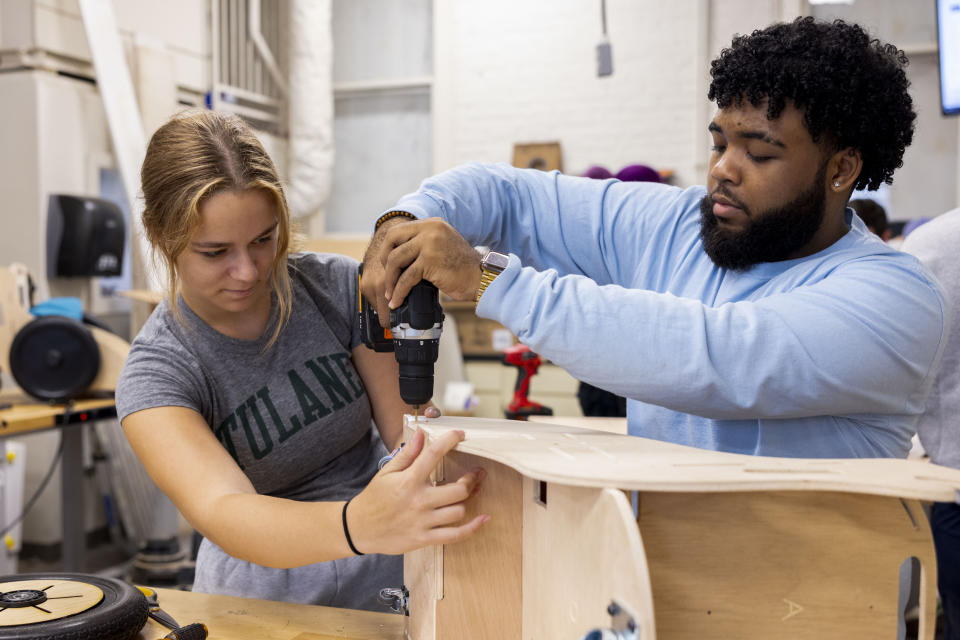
(495, 261)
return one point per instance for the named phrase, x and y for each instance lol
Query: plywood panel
(736, 546)
(454, 588)
(482, 591)
(420, 568)
(423, 572)
(581, 551)
(581, 457)
(595, 423)
(799, 565)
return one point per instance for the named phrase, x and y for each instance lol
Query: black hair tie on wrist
(346, 530)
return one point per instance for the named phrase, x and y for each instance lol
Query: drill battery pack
(373, 335)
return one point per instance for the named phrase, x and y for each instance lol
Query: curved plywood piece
(14, 316)
(571, 537)
(594, 423)
(586, 458)
(13, 313)
(113, 353)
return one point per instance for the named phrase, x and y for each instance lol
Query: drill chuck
(416, 383)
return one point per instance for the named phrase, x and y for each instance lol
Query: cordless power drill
(527, 363)
(413, 336)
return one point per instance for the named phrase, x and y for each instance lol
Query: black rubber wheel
(54, 358)
(119, 616)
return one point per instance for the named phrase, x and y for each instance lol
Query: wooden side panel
(472, 589)
(420, 568)
(423, 573)
(581, 550)
(482, 575)
(799, 565)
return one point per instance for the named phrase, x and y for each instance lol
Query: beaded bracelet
(393, 214)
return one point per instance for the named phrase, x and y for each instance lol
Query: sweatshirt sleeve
(574, 225)
(866, 339)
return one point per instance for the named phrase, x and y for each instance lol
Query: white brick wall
(512, 71)
(509, 71)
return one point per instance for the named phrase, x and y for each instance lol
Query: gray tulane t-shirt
(296, 418)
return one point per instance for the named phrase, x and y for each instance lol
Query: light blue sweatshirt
(831, 355)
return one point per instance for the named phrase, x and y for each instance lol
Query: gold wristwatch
(491, 266)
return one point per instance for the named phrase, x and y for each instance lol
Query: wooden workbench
(231, 618)
(27, 414)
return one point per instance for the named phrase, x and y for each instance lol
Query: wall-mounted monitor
(948, 40)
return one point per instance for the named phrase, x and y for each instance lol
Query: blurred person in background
(935, 243)
(873, 215)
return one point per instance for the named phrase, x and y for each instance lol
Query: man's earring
(836, 184)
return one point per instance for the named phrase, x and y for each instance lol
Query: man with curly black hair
(843, 94)
(757, 315)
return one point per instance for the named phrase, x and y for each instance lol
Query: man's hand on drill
(403, 252)
(373, 275)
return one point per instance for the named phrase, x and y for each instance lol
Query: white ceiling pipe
(311, 149)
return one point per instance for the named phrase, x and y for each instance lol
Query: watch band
(491, 266)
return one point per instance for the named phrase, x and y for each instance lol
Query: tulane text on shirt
(321, 386)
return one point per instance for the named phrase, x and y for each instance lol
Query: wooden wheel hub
(30, 601)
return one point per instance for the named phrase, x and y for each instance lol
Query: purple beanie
(909, 227)
(638, 173)
(597, 172)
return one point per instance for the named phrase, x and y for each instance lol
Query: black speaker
(85, 237)
(54, 358)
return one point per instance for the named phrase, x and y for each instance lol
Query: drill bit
(416, 413)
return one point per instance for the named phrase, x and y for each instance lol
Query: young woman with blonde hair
(250, 398)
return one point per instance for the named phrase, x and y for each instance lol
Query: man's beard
(770, 236)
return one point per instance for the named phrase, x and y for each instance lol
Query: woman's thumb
(406, 453)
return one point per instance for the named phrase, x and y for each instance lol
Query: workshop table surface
(27, 414)
(232, 618)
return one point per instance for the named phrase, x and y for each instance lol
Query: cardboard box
(478, 336)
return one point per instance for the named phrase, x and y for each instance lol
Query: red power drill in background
(527, 363)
